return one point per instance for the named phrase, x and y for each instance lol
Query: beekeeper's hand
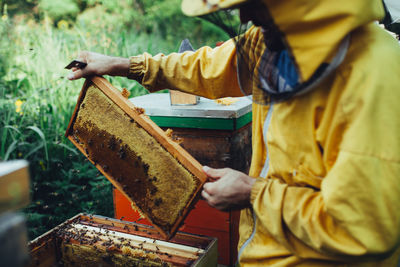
(228, 189)
(98, 64)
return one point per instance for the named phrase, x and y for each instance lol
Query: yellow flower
(20, 155)
(18, 105)
(62, 25)
(42, 165)
(4, 17)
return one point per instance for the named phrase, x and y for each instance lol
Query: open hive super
(90, 240)
(156, 174)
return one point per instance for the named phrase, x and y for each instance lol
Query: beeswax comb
(160, 178)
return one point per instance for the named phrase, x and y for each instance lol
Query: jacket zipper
(263, 173)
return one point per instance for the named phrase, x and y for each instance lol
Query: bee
(153, 190)
(145, 167)
(139, 110)
(158, 202)
(112, 143)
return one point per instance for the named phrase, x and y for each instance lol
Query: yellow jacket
(331, 196)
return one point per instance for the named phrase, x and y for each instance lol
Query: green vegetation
(39, 37)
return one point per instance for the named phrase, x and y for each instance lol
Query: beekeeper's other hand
(228, 189)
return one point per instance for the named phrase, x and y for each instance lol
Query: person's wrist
(120, 66)
(250, 181)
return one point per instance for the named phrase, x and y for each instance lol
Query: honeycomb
(159, 186)
(91, 256)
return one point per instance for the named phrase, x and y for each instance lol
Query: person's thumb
(214, 173)
(76, 75)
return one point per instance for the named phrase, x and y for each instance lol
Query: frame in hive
(92, 240)
(156, 174)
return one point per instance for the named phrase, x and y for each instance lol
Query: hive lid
(156, 174)
(158, 104)
(207, 114)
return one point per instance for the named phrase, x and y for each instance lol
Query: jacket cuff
(136, 68)
(257, 186)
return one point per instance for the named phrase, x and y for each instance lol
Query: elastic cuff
(258, 184)
(136, 68)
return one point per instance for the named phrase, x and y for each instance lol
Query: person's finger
(205, 195)
(214, 173)
(209, 188)
(75, 75)
(210, 200)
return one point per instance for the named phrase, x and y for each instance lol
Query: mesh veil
(266, 72)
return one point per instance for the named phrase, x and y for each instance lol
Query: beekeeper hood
(315, 34)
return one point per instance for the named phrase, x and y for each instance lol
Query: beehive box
(158, 176)
(91, 240)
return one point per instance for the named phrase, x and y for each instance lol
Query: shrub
(59, 9)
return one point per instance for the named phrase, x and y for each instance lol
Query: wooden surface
(218, 148)
(180, 98)
(14, 185)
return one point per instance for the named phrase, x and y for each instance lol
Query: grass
(36, 103)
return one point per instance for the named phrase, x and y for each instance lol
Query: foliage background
(38, 38)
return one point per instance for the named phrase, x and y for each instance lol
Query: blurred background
(38, 39)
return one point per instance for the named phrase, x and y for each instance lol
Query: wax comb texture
(156, 174)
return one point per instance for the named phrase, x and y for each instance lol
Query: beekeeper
(324, 183)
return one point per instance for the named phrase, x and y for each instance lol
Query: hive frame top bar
(182, 156)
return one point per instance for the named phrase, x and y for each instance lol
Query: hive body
(91, 240)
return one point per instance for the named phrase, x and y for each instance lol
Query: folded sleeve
(207, 72)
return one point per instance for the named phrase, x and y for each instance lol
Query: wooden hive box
(156, 174)
(91, 240)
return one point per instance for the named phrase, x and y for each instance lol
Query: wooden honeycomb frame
(182, 157)
(93, 240)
